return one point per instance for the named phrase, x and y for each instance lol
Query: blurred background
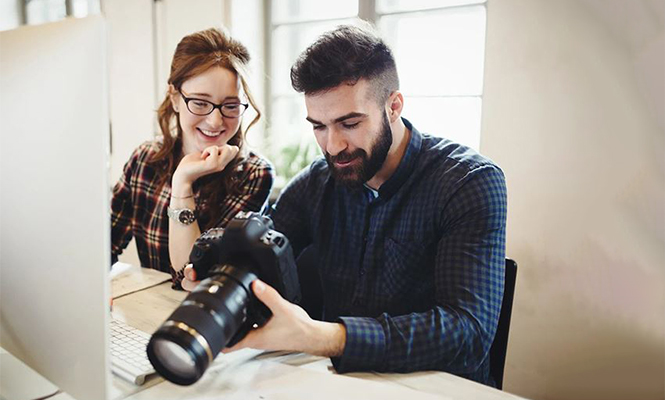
(567, 96)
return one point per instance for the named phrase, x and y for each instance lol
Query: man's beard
(356, 175)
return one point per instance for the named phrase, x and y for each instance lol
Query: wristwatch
(185, 216)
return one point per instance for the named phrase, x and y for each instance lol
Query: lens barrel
(186, 344)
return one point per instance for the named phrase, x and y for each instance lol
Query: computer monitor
(54, 202)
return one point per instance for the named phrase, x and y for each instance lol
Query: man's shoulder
(316, 174)
(319, 169)
(308, 184)
(445, 156)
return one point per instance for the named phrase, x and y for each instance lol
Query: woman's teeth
(210, 133)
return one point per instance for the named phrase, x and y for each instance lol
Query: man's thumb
(266, 294)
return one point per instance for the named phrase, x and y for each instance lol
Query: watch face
(186, 217)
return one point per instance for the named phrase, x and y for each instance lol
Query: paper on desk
(127, 278)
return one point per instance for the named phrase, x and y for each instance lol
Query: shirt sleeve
(122, 207)
(253, 193)
(456, 334)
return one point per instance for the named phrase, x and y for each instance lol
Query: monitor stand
(20, 382)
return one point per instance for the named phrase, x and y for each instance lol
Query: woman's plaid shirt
(138, 207)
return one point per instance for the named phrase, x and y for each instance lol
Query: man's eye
(350, 126)
(318, 127)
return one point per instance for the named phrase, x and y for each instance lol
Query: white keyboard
(128, 353)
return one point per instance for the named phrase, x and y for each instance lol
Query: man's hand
(291, 329)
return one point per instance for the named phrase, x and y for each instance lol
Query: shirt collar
(406, 165)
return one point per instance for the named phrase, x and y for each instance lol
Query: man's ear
(395, 105)
(174, 96)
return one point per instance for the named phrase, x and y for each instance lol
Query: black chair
(500, 343)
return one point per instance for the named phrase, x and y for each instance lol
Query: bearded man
(408, 229)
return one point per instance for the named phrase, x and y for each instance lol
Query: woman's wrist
(189, 196)
(180, 188)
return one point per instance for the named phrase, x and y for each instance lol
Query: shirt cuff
(365, 345)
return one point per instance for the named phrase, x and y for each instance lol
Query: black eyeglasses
(204, 107)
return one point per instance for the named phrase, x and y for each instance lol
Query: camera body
(248, 241)
(222, 309)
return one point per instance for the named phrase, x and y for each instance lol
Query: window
(439, 48)
(34, 12)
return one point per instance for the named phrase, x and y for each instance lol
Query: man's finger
(268, 296)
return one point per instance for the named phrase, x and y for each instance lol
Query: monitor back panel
(54, 202)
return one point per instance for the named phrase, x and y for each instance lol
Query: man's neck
(401, 137)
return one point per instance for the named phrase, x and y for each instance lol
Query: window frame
(367, 10)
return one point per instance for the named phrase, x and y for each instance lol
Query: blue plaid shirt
(416, 273)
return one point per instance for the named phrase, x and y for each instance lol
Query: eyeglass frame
(214, 106)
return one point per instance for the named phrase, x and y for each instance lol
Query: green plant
(293, 158)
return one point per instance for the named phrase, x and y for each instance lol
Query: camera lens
(209, 318)
(175, 358)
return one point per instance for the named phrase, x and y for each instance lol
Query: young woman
(198, 175)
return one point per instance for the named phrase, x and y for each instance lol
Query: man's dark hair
(346, 55)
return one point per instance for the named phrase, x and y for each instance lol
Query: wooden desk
(251, 374)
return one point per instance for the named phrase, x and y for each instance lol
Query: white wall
(131, 78)
(246, 24)
(178, 18)
(584, 156)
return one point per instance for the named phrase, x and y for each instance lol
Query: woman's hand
(195, 165)
(190, 282)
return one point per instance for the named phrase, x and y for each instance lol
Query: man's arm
(457, 333)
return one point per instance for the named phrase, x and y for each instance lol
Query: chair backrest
(500, 343)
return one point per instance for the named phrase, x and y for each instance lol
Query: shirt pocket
(403, 272)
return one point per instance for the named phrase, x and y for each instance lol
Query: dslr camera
(222, 309)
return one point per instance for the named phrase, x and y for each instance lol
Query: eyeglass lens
(201, 107)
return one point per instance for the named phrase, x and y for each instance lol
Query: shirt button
(362, 272)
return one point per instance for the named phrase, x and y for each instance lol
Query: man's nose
(336, 142)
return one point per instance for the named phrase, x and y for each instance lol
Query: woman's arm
(191, 167)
